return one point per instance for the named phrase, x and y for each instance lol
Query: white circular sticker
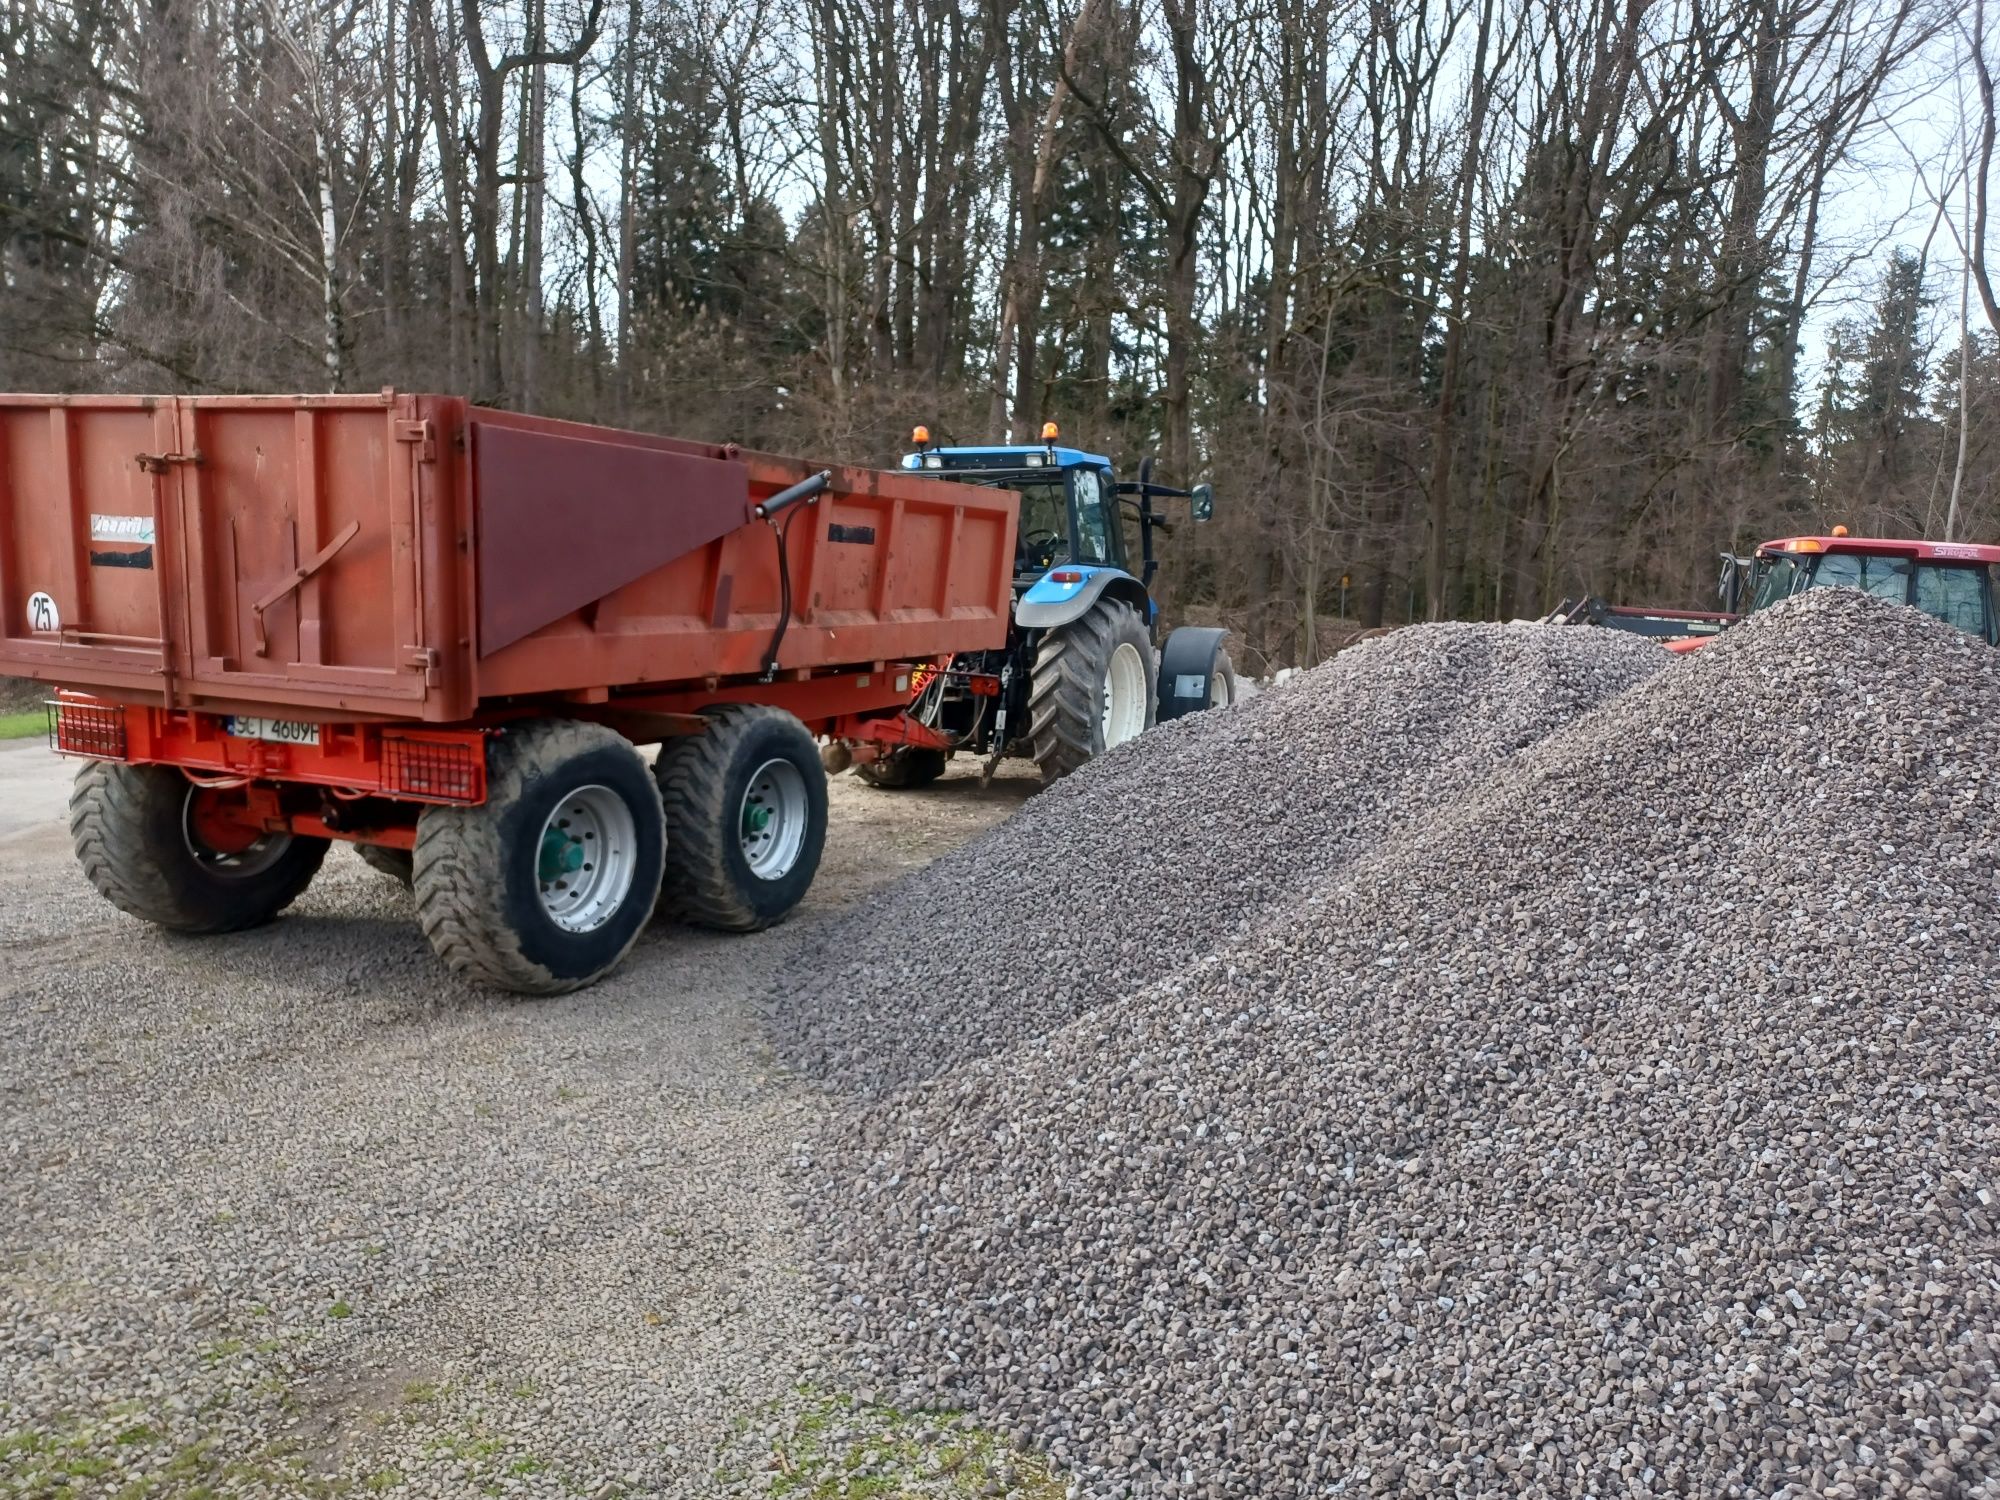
(42, 614)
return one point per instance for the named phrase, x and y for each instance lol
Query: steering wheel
(1041, 545)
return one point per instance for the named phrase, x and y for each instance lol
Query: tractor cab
(1086, 665)
(1951, 581)
(1069, 503)
(1068, 500)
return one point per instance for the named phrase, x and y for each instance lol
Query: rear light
(87, 729)
(441, 770)
(1067, 575)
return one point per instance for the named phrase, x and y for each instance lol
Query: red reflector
(446, 770)
(1067, 575)
(87, 729)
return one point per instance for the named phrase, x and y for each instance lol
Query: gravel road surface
(297, 1206)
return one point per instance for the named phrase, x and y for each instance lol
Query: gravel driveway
(297, 1206)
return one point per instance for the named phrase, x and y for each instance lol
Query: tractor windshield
(1777, 578)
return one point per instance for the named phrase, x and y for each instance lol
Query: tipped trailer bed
(439, 631)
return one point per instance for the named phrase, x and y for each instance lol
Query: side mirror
(1202, 500)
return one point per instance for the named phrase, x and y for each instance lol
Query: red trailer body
(418, 558)
(327, 606)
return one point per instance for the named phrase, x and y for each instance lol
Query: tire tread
(693, 773)
(459, 849)
(113, 807)
(1065, 700)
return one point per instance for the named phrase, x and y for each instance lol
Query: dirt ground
(296, 1206)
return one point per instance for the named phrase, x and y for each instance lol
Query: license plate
(283, 731)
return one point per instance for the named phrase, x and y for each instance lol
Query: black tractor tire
(712, 786)
(910, 766)
(400, 865)
(1196, 673)
(133, 837)
(1066, 700)
(483, 882)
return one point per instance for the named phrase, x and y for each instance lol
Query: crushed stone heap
(1617, 1115)
(1149, 856)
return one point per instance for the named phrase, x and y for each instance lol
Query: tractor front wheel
(1092, 688)
(1195, 672)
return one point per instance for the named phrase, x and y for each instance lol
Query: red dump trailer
(439, 632)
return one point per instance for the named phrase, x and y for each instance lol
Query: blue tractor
(1086, 665)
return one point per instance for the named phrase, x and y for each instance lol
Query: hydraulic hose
(807, 490)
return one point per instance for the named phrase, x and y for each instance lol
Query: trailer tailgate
(227, 552)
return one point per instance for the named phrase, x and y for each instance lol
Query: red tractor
(1952, 581)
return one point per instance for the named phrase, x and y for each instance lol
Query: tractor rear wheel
(1092, 688)
(906, 767)
(746, 818)
(161, 848)
(546, 885)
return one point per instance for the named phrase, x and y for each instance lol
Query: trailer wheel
(1092, 688)
(1195, 672)
(746, 818)
(908, 766)
(546, 885)
(153, 845)
(398, 864)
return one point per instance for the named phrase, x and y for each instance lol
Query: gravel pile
(1147, 858)
(1624, 1123)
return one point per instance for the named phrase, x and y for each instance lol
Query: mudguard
(1051, 601)
(1189, 662)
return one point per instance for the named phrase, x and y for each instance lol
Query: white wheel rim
(586, 858)
(772, 823)
(1124, 695)
(1218, 690)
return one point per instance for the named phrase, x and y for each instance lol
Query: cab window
(1955, 595)
(1043, 538)
(1884, 577)
(1094, 518)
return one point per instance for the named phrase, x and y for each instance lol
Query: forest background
(1462, 305)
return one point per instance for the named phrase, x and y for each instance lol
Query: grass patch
(340, 1309)
(80, 1459)
(25, 725)
(902, 1453)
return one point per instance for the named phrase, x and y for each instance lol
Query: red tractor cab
(1952, 581)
